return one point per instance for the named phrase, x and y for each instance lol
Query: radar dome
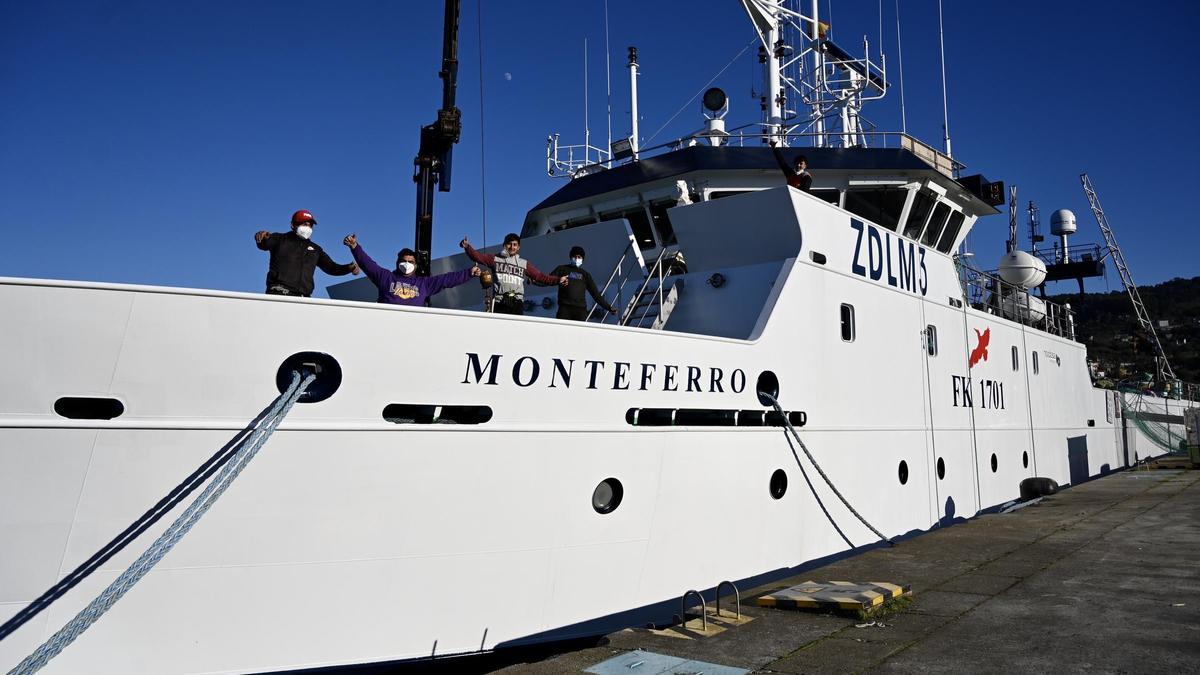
(1022, 269)
(1063, 222)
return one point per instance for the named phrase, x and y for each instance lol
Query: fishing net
(1136, 407)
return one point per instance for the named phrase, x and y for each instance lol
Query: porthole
(941, 468)
(1025, 459)
(778, 485)
(607, 495)
(995, 464)
(903, 473)
(1016, 359)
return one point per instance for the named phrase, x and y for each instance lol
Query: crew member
(402, 286)
(510, 273)
(294, 257)
(797, 174)
(571, 303)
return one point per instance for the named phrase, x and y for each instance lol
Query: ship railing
(630, 260)
(987, 292)
(1076, 253)
(758, 133)
(573, 161)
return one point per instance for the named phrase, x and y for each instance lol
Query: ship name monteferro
(527, 371)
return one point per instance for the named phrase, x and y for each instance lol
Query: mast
(633, 73)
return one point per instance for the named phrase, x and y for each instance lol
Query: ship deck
(1098, 577)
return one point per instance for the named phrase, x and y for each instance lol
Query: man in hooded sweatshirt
(402, 286)
(510, 271)
(294, 257)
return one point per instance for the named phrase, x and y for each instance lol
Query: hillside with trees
(1106, 323)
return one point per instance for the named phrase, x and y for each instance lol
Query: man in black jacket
(571, 303)
(294, 257)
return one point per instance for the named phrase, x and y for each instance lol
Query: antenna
(1012, 218)
(1035, 227)
(900, 54)
(633, 73)
(587, 132)
(945, 107)
(608, 80)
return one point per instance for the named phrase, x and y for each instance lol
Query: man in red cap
(294, 257)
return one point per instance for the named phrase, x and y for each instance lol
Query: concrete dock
(1102, 577)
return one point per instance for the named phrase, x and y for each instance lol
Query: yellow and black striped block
(834, 595)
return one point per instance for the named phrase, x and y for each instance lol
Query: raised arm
(334, 269)
(783, 165)
(449, 280)
(481, 258)
(265, 241)
(539, 277)
(369, 267)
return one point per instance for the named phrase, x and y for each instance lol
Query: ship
(792, 376)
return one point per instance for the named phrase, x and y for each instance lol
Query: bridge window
(639, 223)
(936, 223)
(848, 322)
(919, 213)
(951, 233)
(880, 205)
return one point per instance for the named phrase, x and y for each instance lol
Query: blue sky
(145, 142)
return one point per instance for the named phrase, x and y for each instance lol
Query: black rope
(136, 528)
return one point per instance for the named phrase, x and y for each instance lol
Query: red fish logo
(980, 352)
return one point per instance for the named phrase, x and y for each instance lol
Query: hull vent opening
(425, 413)
(88, 408)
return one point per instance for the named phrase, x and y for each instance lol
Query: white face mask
(407, 268)
(578, 262)
(304, 231)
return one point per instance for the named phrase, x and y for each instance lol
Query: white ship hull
(353, 539)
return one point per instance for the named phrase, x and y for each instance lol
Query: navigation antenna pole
(433, 161)
(1123, 269)
(1012, 219)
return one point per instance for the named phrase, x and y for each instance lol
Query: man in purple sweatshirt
(402, 286)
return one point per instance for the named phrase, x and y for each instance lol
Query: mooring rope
(787, 423)
(167, 540)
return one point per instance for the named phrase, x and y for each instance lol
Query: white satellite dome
(1062, 222)
(1022, 269)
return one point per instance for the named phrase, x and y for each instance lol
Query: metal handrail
(986, 291)
(616, 270)
(737, 598)
(654, 269)
(703, 609)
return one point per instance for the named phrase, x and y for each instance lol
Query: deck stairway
(656, 294)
